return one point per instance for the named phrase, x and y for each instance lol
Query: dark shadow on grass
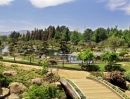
(115, 67)
(91, 67)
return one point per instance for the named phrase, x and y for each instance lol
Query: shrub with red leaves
(117, 78)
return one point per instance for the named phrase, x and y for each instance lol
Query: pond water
(68, 57)
(5, 49)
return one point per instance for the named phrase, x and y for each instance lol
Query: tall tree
(86, 56)
(87, 35)
(65, 35)
(100, 34)
(75, 37)
(110, 57)
(113, 43)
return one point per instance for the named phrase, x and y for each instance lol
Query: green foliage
(1, 57)
(42, 92)
(98, 74)
(113, 43)
(127, 75)
(86, 56)
(45, 65)
(91, 67)
(100, 34)
(110, 57)
(75, 37)
(123, 53)
(22, 76)
(87, 35)
(15, 35)
(3, 80)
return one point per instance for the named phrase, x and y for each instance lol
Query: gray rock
(10, 73)
(4, 92)
(13, 96)
(58, 84)
(17, 88)
(37, 81)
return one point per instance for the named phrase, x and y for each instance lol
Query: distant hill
(7, 33)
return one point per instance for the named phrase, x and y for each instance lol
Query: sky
(75, 14)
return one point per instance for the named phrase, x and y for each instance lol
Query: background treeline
(63, 33)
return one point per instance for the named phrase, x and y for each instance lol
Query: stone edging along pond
(111, 86)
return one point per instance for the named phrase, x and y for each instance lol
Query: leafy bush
(42, 92)
(108, 68)
(45, 65)
(115, 67)
(3, 80)
(122, 53)
(1, 57)
(92, 67)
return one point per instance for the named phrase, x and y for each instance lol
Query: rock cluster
(10, 73)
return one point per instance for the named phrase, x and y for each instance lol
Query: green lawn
(70, 66)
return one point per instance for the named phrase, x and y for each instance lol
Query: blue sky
(76, 14)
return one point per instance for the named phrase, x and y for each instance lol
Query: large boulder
(17, 88)
(37, 81)
(13, 96)
(4, 92)
(10, 73)
(49, 74)
(58, 84)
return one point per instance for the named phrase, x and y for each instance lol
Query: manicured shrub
(115, 67)
(91, 67)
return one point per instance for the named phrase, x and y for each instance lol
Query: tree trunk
(82, 65)
(14, 59)
(70, 59)
(30, 60)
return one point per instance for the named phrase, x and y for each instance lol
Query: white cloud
(47, 3)
(5, 2)
(126, 9)
(122, 5)
(115, 4)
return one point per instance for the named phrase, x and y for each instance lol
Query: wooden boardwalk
(90, 88)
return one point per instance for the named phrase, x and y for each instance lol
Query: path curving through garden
(90, 88)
